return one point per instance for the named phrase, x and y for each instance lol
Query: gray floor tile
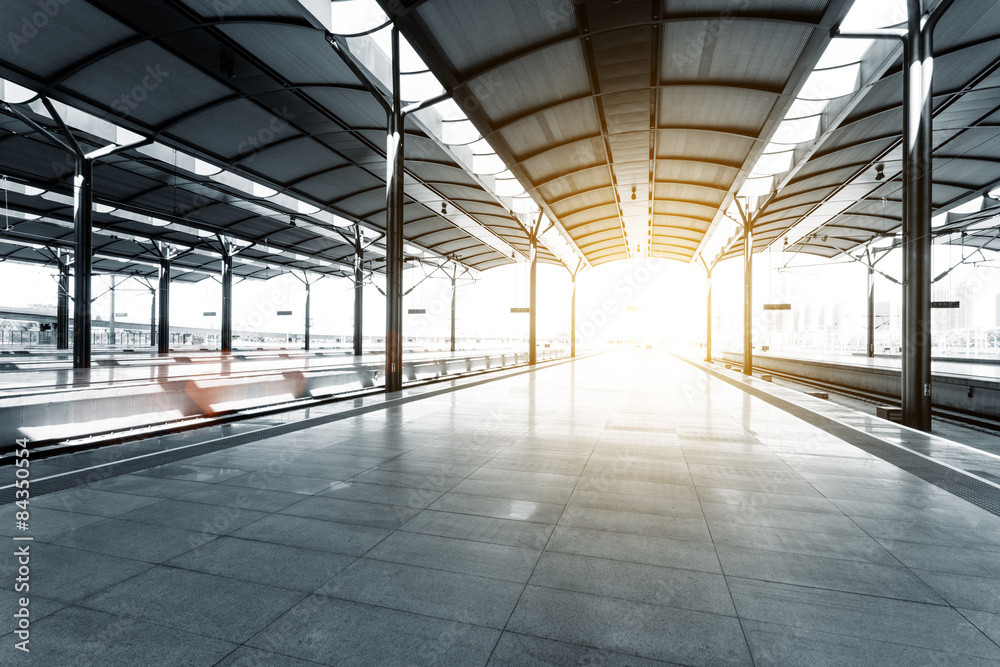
(684, 589)
(380, 493)
(480, 529)
(780, 518)
(139, 541)
(264, 563)
(142, 485)
(245, 656)
(90, 501)
(447, 595)
(500, 508)
(988, 623)
(521, 477)
(792, 646)
(651, 525)
(191, 472)
(924, 533)
(342, 538)
(954, 559)
(338, 632)
(281, 482)
(963, 591)
(408, 479)
(257, 500)
(637, 504)
(660, 551)
(217, 607)
(69, 575)
(85, 636)
(557, 495)
(516, 649)
(208, 519)
(376, 515)
(444, 553)
(46, 525)
(926, 626)
(38, 606)
(801, 503)
(646, 630)
(830, 545)
(832, 573)
(610, 484)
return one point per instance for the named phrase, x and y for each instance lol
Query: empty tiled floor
(626, 509)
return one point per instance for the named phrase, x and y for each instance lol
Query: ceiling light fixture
(879, 171)
(633, 192)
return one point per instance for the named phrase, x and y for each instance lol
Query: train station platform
(629, 508)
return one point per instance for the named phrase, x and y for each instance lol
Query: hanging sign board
(284, 312)
(520, 310)
(210, 313)
(121, 314)
(777, 306)
(417, 311)
(946, 304)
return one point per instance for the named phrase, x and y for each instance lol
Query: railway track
(958, 417)
(46, 449)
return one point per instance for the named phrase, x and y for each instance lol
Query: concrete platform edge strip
(104, 471)
(965, 485)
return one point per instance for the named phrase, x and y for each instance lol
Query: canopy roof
(844, 189)
(633, 123)
(254, 88)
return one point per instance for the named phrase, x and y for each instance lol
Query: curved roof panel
(252, 87)
(631, 123)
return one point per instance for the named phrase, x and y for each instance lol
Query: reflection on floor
(623, 509)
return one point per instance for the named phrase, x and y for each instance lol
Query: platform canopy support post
(871, 312)
(163, 289)
(152, 317)
(918, 172)
(917, 180)
(454, 298)
(359, 293)
(572, 320)
(394, 231)
(533, 292)
(112, 338)
(83, 226)
(708, 316)
(62, 303)
(227, 300)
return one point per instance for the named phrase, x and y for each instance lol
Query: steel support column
(532, 298)
(394, 231)
(708, 318)
(83, 225)
(359, 294)
(871, 312)
(748, 295)
(917, 172)
(308, 314)
(62, 305)
(572, 320)
(454, 296)
(111, 321)
(163, 331)
(227, 301)
(152, 318)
